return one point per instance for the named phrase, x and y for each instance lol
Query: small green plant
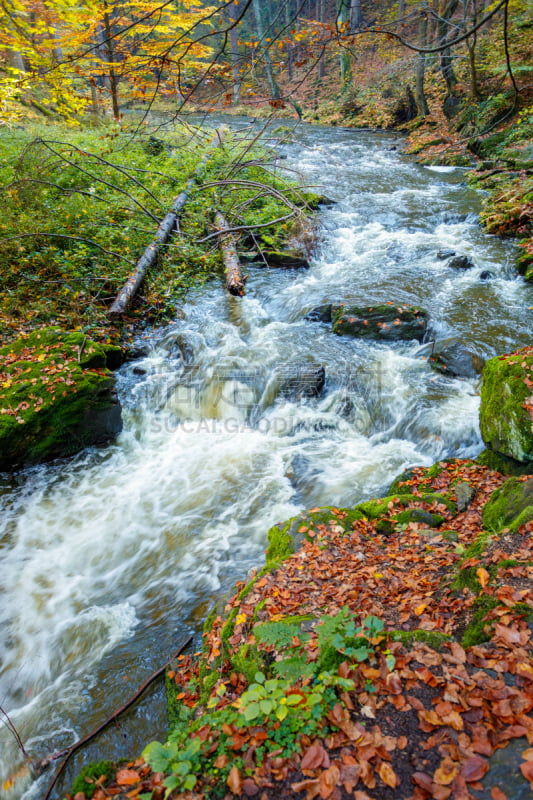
(181, 762)
(87, 780)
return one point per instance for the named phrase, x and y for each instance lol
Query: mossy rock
(419, 515)
(504, 464)
(504, 417)
(406, 475)
(510, 506)
(86, 780)
(286, 537)
(56, 396)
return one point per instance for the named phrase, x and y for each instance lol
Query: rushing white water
(108, 559)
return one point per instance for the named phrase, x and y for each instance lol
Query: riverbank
(382, 652)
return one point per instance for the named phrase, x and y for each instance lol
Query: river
(110, 559)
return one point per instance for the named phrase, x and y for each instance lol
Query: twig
(77, 745)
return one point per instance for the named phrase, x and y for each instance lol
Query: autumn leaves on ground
(381, 660)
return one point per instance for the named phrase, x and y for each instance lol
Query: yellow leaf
(483, 576)
(420, 609)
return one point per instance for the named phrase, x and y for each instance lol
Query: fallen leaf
(446, 773)
(387, 775)
(234, 780)
(497, 794)
(527, 771)
(127, 777)
(314, 757)
(474, 769)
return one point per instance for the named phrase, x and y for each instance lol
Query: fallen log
(163, 234)
(232, 268)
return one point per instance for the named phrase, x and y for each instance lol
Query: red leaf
(314, 757)
(474, 769)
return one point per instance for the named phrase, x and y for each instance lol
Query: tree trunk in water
(421, 101)
(163, 234)
(111, 58)
(275, 93)
(232, 267)
(446, 63)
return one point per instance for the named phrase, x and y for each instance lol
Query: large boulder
(388, 322)
(57, 395)
(506, 412)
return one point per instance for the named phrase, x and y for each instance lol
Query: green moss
(86, 780)
(55, 396)
(209, 620)
(372, 509)
(433, 639)
(506, 426)
(280, 543)
(248, 661)
(510, 505)
(525, 611)
(396, 486)
(419, 515)
(504, 464)
(477, 631)
(434, 497)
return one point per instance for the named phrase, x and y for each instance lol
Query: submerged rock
(443, 254)
(57, 396)
(460, 262)
(456, 360)
(506, 412)
(388, 322)
(486, 275)
(289, 259)
(321, 313)
(301, 381)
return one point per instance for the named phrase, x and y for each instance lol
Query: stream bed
(109, 560)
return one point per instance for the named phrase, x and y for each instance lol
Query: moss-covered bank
(56, 396)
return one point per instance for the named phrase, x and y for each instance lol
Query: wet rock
(460, 262)
(486, 275)
(443, 254)
(299, 382)
(290, 259)
(503, 464)
(383, 322)
(464, 493)
(139, 371)
(456, 360)
(505, 413)
(321, 313)
(58, 397)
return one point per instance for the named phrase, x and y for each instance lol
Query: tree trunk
(471, 47)
(345, 61)
(421, 100)
(356, 15)
(110, 50)
(273, 86)
(446, 62)
(275, 93)
(232, 267)
(163, 234)
(234, 41)
(288, 21)
(322, 57)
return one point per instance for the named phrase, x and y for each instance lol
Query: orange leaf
(315, 756)
(527, 771)
(446, 773)
(482, 576)
(328, 780)
(127, 777)
(387, 775)
(497, 794)
(234, 780)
